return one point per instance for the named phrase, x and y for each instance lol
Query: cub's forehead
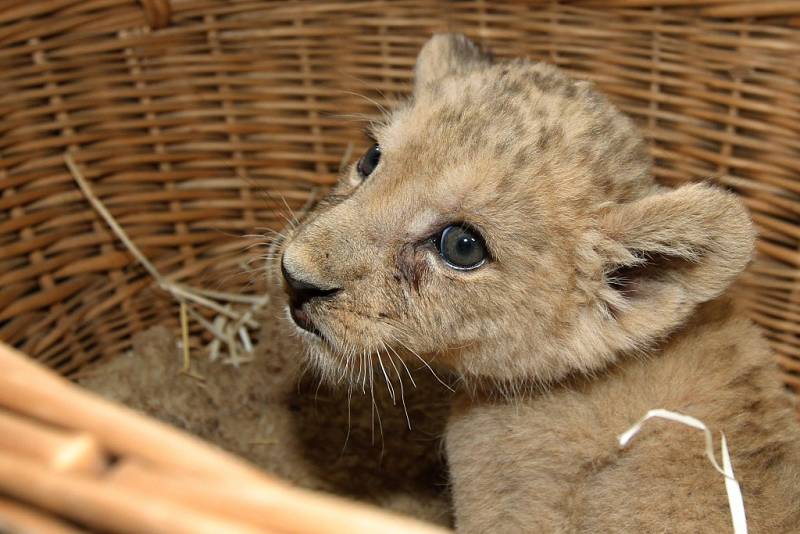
(493, 110)
(519, 120)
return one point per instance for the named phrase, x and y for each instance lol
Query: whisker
(432, 372)
(294, 222)
(349, 399)
(421, 359)
(354, 117)
(403, 363)
(381, 108)
(372, 411)
(402, 392)
(268, 196)
(386, 377)
(316, 392)
(345, 367)
(375, 411)
(364, 363)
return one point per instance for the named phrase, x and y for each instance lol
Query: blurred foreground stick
(65, 451)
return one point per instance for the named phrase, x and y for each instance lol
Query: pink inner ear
(629, 279)
(637, 283)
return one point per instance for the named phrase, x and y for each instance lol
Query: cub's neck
(716, 336)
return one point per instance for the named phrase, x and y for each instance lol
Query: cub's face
(479, 232)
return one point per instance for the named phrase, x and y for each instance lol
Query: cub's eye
(462, 248)
(369, 161)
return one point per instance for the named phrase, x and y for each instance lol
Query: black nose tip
(301, 291)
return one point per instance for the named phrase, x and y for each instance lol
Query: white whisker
(349, 399)
(386, 377)
(403, 363)
(421, 359)
(372, 412)
(402, 392)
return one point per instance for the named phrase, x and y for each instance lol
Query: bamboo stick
(17, 518)
(284, 509)
(103, 506)
(30, 389)
(57, 449)
(191, 474)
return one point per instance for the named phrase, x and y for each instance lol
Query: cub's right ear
(447, 53)
(671, 251)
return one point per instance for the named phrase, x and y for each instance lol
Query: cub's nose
(301, 291)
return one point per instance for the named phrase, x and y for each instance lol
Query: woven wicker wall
(181, 112)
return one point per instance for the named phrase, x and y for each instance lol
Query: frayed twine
(732, 488)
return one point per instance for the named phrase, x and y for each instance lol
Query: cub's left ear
(447, 53)
(670, 251)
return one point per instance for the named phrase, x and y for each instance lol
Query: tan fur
(557, 453)
(601, 301)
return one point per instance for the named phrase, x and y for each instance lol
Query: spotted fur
(604, 298)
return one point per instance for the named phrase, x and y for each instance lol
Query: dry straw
(229, 326)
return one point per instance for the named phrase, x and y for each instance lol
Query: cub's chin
(313, 332)
(325, 355)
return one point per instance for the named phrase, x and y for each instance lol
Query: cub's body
(578, 295)
(551, 462)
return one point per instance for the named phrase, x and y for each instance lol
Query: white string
(734, 491)
(735, 500)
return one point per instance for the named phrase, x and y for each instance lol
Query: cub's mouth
(302, 319)
(301, 295)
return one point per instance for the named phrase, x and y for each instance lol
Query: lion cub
(506, 227)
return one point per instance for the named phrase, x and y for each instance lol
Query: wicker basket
(181, 113)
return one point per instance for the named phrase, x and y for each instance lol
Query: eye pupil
(368, 162)
(462, 248)
(465, 245)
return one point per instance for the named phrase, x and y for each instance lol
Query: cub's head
(505, 225)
